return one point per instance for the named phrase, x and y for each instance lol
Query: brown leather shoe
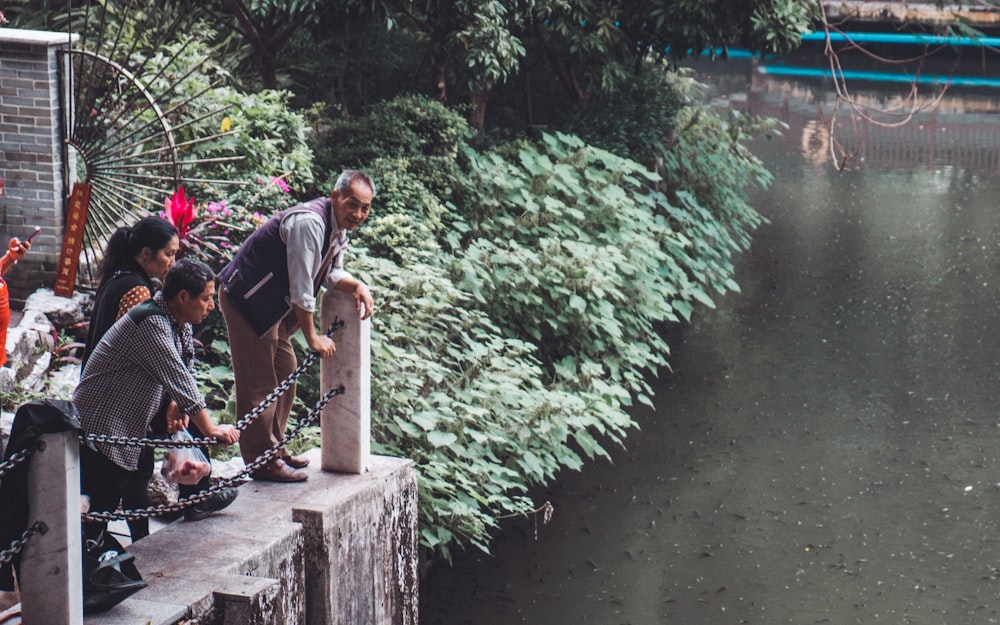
(278, 471)
(296, 462)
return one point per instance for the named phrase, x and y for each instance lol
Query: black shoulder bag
(109, 574)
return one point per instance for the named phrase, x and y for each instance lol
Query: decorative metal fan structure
(116, 136)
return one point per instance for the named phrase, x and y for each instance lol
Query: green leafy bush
(230, 137)
(515, 327)
(415, 131)
(467, 404)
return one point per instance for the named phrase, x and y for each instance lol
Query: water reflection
(826, 450)
(929, 126)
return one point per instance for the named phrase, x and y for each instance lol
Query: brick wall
(31, 154)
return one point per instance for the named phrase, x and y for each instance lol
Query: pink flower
(281, 184)
(180, 211)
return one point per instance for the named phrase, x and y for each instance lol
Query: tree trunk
(265, 65)
(568, 79)
(477, 115)
(439, 89)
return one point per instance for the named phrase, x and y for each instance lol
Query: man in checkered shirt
(138, 370)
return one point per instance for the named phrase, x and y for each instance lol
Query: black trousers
(107, 484)
(104, 482)
(136, 493)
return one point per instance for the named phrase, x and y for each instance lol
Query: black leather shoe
(216, 502)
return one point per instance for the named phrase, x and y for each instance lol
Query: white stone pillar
(346, 420)
(52, 563)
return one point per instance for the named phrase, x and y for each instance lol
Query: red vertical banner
(69, 259)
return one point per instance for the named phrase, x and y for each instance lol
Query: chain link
(285, 384)
(236, 480)
(248, 418)
(15, 459)
(15, 547)
(18, 457)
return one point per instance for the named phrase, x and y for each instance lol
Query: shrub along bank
(520, 288)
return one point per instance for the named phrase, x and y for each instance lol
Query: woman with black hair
(135, 256)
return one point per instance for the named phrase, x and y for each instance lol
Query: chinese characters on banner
(69, 258)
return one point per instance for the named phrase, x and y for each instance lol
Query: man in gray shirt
(138, 370)
(269, 292)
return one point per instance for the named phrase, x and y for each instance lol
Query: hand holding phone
(19, 249)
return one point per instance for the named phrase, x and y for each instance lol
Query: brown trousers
(259, 363)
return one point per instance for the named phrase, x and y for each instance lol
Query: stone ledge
(36, 37)
(258, 538)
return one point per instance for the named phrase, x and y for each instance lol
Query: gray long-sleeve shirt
(303, 232)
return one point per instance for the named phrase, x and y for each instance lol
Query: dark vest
(256, 280)
(107, 300)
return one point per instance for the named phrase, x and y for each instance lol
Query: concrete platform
(344, 545)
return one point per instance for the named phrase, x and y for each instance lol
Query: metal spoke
(124, 139)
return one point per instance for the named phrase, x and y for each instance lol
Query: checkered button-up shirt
(123, 384)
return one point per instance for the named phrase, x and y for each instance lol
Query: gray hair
(350, 176)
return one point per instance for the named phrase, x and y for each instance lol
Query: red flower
(180, 211)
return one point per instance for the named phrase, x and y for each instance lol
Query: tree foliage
(520, 314)
(522, 286)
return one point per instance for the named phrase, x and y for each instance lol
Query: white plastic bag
(185, 465)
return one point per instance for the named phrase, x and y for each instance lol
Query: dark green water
(827, 449)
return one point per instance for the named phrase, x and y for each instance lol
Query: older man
(269, 292)
(138, 370)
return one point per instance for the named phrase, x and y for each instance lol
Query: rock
(7, 380)
(31, 342)
(224, 470)
(63, 381)
(35, 380)
(6, 421)
(63, 312)
(26, 341)
(161, 492)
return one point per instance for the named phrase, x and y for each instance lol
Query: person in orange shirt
(15, 252)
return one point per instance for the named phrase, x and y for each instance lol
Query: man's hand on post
(319, 343)
(363, 297)
(226, 433)
(322, 345)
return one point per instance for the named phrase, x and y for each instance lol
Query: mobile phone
(32, 235)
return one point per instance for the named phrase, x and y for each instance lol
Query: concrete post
(346, 420)
(31, 153)
(51, 563)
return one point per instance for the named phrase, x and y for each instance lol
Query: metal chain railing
(6, 466)
(241, 424)
(15, 459)
(7, 555)
(285, 384)
(249, 469)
